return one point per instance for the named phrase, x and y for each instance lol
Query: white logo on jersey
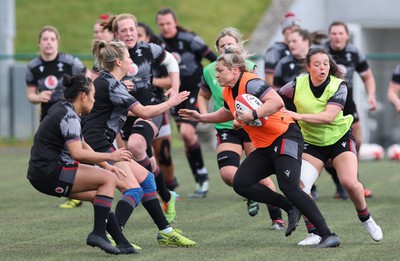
(192, 100)
(180, 45)
(287, 172)
(348, 57)
(41, 68)
(139, 52)
(224, 136)
(291, 65)
(60, 67)
(287, 52)
(123, 118)
(344, 144)
(133, 70)
(51, 82)
(276, 148)
(215, 81)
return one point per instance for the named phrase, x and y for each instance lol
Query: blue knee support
(149, 184)
(135, 193)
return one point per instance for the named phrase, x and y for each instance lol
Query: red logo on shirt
(133, 70)
(51, 82)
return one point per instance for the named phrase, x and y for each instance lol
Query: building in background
(375, 29)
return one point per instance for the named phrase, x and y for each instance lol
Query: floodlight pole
(7, 34)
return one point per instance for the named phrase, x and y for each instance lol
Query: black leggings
(283, 159)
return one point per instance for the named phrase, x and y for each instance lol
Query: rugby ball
(393, 152)
(371, 152)
(247, 103)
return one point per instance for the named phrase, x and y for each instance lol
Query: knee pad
(165, 153)
(144, 129)
(309, 174)
(228, 158)
(136, 194)
(149, 184)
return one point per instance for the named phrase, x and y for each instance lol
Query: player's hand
(171, 92)
(45, 96)
(191, 115)
(245, 117)
(129, 85)
(373, 105)
(121, 155)
(237, 125)
(178, 98)
(119, 173)
(293, 114)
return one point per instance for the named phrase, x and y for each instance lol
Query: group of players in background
(133, 73)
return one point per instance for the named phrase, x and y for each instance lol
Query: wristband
(254, 113)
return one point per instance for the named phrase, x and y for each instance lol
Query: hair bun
(67, 80)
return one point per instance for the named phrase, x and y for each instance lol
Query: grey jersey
(61, 127)
(109, 113)
(273, 54)
(48, 75)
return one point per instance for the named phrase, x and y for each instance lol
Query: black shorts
(60, 184)
(290, 143)
(263, 162)
(232, 136)
(126, 130)
(346, 143)
(350, 108)
(190, 103)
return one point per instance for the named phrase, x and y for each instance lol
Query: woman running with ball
(278, 143)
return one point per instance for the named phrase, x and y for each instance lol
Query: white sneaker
(373, 229)
(311, 239)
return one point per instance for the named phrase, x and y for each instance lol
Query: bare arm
(173, 72)
(149, 111)
(119, 155)
(272, 103)
(325, 117)
(162, 82)
(393, 95)
(333, 106)
(175, 83)
(36, 97)
(202, 100)
(221, 115)
(81, 151)
(370, 87)
(269, 78)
